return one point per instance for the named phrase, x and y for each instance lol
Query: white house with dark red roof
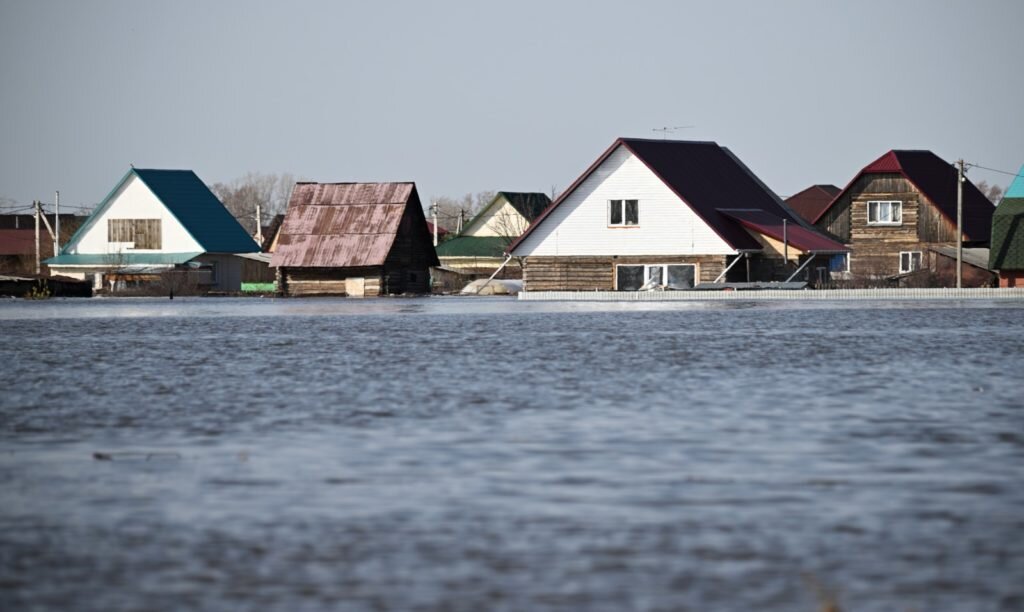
(898, 216)
(672, 214)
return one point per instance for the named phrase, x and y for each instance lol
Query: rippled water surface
(456, 454)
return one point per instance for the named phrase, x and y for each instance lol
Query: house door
(355, 287)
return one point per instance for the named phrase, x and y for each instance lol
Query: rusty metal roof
(341, 225)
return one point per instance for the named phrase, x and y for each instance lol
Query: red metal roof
(23, 242)
(811, 201)
(796, 235)
(936, 179)
(341, 225)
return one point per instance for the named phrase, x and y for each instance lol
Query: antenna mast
(665, 131)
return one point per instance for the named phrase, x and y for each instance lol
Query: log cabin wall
(407, 268)
(327, 281)
(875, 249)
(597, 273)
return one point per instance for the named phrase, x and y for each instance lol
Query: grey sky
(471, 96)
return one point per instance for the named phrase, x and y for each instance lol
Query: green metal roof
(473, 246)
(202, 214)
(121, 259)
(192, 203)
(1007, 249)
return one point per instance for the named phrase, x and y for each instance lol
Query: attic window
(135, 233)
(885, 212)
(622, 213)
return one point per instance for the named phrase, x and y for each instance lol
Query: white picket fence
(772, 294)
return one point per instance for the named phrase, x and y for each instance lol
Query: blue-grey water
(458, 454)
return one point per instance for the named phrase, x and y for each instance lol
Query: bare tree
(993, 192)
(451, 210)
(242, 195)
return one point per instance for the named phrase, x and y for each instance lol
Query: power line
(1014, 174)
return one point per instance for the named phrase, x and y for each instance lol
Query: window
(910, 261)
(885, 212)
(839, 263)
(671, 276)
(135, 233)
(623, 213)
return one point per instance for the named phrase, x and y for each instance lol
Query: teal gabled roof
(1016, 188)
(202, 214)
(121, 259)
(192, 204)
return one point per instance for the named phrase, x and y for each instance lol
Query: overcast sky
(470, 96)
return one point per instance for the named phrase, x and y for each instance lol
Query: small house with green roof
(1006, 254)
(480, 248)
(154, 222)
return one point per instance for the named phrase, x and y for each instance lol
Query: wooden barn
(668, 214)
(1007, 252)
(356, 239)
(896, 212)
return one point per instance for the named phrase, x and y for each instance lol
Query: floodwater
(486, 454)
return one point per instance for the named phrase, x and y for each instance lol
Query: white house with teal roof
(156, 221)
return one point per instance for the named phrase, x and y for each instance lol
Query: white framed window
(632, 277)
(623, 213)
(885, 212)
(910, 261)
(839, 262)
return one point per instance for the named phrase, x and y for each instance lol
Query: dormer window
(885, 212)
(623, 213)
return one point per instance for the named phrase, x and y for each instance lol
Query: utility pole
(462, 216)
(259, 225)
(785, 244)
(35, 203)
(56, 222)
(959, 223)
(433, 212)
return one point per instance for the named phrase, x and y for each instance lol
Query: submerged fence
(774, 294)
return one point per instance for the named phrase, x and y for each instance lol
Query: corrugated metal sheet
(23, 241)
(811, 201)
(796, 235)
(341, 225)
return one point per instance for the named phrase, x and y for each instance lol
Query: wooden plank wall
(597, 273)
(875, 249)
(326, 281)
(145, 233)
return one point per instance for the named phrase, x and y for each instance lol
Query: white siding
(134, 200)
(500, 219)
(579, 225)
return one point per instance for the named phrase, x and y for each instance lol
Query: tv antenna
(665, 131)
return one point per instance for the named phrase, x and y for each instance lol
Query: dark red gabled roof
(936, 179)
(704, 175)
(811, 201)
(800, 237)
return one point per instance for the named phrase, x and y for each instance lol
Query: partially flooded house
(158, 226)
(480, 248)
(671, 214)
(356, 239)
(1007, 253)
(898, 212)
